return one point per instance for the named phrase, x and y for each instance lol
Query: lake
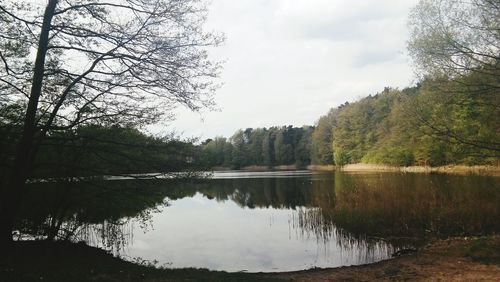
(265, 221)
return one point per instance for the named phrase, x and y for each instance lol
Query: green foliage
(457, 120)
(266, 147)
(390, 156)
(452, 116)
(358, 126)
(340, 157)
(439, 122)
(321, 139)
(303, 147)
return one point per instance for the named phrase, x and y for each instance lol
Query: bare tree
(72, 62)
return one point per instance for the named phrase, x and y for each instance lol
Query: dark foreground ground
(459, 259)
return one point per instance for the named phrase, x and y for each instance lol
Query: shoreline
(452, 259)
(483, 170)
(457, 258)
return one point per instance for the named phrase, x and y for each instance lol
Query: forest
(269, 147)
(437, 122)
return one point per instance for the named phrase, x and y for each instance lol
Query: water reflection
(263, 222)
(200, 232)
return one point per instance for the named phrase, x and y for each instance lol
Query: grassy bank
(322, 167)
(449, 169)
(474, 258)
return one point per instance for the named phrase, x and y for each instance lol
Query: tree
(455, 45)
(213, 153)
(321, 143)
(279, 148)
(268, 147)
(303, 147)
(239, 153)
(454, 38)
(448, 112)
(126, 62)
(255, 150)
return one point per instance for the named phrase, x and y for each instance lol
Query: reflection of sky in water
(261, 174)
(198, 232)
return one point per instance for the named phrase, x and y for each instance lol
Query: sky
(288, 62)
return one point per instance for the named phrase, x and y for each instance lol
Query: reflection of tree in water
(311, 223)
(112, 236)
(374, 204)
(382, 204)
(350, 209)
(97, 212)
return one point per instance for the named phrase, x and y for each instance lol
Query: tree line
(429, 124)
(269, 147)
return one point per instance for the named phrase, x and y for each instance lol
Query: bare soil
(456, 259)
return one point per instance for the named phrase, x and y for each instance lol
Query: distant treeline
(273, 146)
(437, 122)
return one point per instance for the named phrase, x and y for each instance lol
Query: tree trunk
(13, 189)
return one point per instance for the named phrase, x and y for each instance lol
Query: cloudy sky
(289, 61)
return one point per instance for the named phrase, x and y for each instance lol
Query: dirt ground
(457, 259)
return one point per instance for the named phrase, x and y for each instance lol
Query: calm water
(272, 221)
